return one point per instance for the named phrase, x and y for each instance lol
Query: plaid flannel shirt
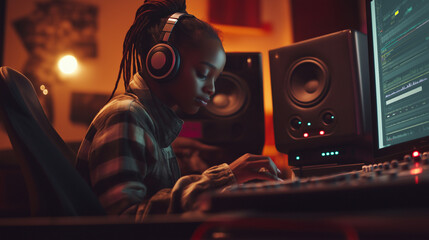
(127, 158)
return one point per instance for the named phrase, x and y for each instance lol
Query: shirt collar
(167, 123)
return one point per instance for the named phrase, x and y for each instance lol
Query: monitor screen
(399, 35)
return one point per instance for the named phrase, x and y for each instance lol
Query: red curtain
(313, 18)
(235, 12)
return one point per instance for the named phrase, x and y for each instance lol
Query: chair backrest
(55, 187)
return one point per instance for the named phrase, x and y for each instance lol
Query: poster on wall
(54, 28)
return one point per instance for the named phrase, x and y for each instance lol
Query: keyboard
(390, 185)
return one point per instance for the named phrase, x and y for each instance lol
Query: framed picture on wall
(45, 31)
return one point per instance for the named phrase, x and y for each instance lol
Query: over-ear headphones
(163, 59)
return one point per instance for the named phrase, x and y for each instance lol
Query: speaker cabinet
(234, 118)
(321, 101)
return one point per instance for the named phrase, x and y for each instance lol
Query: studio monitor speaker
(321, 101)
(234, 118)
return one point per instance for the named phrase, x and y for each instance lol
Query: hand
(250, 167)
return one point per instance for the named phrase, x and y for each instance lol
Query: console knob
(295, 123)
(394, 163)
(408, 158)
(328, 118)
(386, 165)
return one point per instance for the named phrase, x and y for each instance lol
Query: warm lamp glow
(68, 64)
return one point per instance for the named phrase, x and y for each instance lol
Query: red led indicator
(416, 154)
(322, 132)
(305, 135)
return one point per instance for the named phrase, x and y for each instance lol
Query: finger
(256, 158)
(257, 165)
(252, 157)
(274, 166)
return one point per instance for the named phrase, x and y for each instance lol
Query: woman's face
(195, 82)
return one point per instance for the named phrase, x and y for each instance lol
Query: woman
(170, 60)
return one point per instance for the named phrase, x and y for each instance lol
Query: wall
(2, 19)
(313, 18)
(98, 75)
(95, 75)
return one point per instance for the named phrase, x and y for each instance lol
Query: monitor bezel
(400, 149)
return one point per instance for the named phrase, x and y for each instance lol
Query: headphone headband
(168, 27)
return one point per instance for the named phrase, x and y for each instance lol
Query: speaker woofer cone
(231, 97)
(308, 82)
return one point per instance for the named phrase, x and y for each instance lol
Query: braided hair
(145, 32)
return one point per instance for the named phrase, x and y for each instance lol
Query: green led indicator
(297, 157)
(309, 124)
(324, 154)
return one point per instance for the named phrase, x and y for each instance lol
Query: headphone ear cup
(162, 62)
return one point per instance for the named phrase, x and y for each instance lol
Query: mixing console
(389, 185)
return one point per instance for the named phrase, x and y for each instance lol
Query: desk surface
(245, 225)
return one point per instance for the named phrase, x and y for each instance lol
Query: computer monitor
(398, 37)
